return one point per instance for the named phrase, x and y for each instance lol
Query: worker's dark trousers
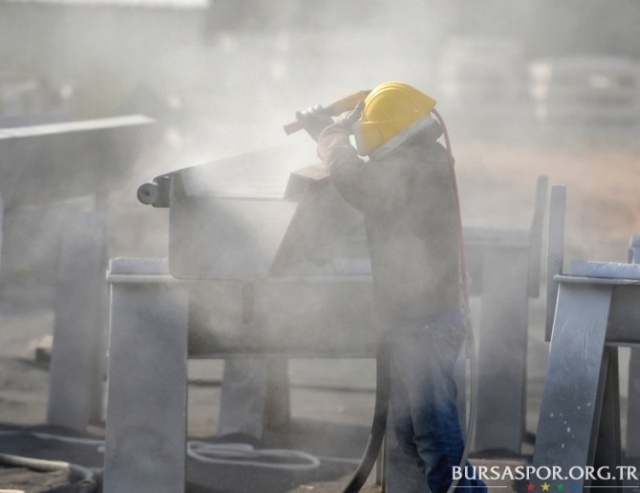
(423, 409)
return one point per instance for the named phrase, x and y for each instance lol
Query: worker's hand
(350, 118)
(315, 120)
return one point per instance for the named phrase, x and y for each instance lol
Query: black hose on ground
(87, 482)
(378, 425)
(86, 486)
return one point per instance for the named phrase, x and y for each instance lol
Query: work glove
(349, 118)
(315, 120)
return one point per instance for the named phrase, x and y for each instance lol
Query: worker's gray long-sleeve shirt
(410, 218)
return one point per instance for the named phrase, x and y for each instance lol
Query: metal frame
(594, 312)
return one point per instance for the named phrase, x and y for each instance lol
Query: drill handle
(293, 127)
(339, 106)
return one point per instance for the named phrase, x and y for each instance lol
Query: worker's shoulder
(432, 158)
(437, 152)
(420, 152)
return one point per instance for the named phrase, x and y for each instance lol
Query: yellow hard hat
(388, 110)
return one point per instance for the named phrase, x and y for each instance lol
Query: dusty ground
(603, 208)
(497, 180)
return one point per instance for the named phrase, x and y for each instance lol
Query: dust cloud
(526, 88)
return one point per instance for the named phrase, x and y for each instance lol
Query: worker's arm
(359, 182)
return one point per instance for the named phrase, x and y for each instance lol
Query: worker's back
(412, 233)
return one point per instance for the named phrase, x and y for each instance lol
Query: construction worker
(401, 178)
